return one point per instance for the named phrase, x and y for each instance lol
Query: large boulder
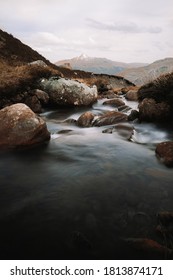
(69, 92)
(150, 110)
(20, 126)
(164, 152)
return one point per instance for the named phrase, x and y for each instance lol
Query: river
(81, 195)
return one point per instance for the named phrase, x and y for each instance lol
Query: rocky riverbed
(95, 190)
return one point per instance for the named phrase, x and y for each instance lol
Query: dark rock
(111, 117)
(114, 102)
(36, 100)
(69, 92)
(124, 108)
(65, 131)
(109, 130)
(133, 115)
(33, 103)
(85, 120)
(151, 111)
(20, 126)
(42, 96)
(123, 129)
(70, 121)
(164, 151)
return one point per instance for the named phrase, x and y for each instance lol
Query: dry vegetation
(160, 89)
(14, 80)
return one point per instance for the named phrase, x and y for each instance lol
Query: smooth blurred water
(80, 195)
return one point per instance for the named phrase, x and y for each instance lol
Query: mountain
(97, 65)
(142, 75)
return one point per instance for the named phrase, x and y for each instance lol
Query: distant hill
(143, 75)
(97, 65)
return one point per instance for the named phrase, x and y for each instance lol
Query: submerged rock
(164, 151)
(20, 126)
(124, 129)
(69, 92)
(150, 110)
(111, 117)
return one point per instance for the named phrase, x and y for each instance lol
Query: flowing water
(84, 193)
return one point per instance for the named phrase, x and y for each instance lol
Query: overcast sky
(121, 30)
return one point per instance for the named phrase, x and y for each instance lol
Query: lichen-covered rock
(111, 117)
(150, 110)
(117, 102)
(164, 151)
(69, 92)
(20, 126)
(85, 120)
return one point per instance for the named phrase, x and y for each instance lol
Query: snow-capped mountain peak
(83, 57)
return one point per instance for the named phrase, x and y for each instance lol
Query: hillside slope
(142, 75)
(14, 52)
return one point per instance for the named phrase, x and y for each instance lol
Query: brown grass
(161, 89)
(14, 80)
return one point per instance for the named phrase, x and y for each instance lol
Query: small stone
(114, 102)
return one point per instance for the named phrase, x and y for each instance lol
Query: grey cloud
(129, 27)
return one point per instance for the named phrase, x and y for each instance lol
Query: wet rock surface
(109, 118)
(117, 102)
(85, 120)
(134, 114)
(124, 129)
